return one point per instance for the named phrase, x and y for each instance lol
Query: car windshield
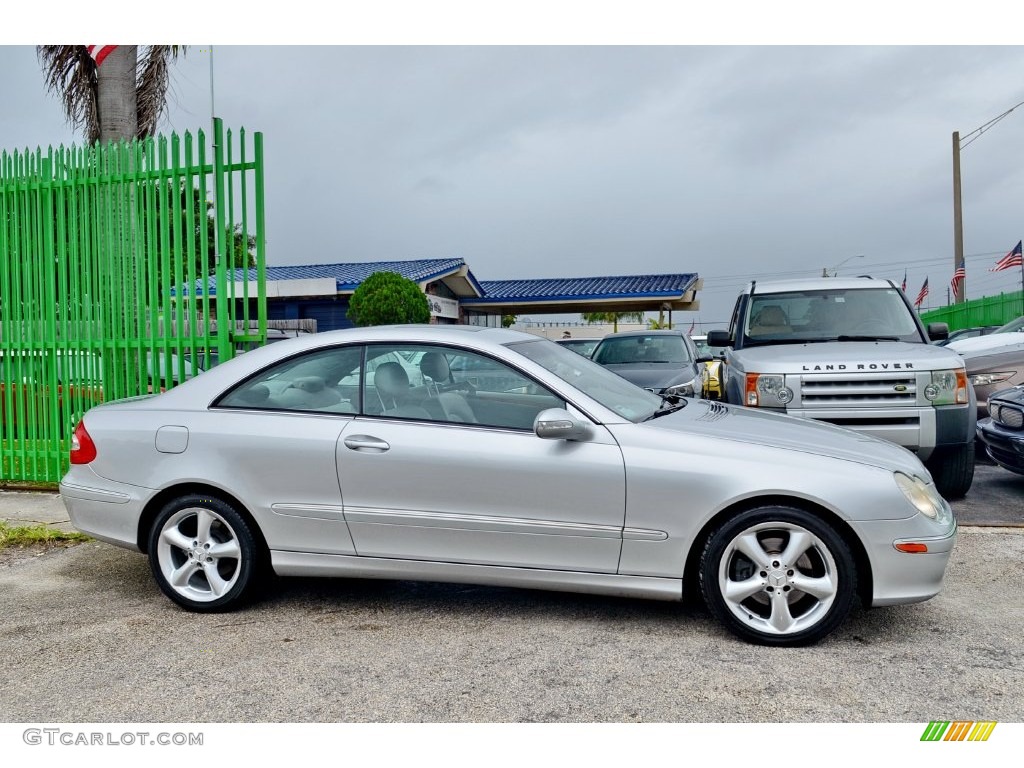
(1012, 326)
(642, 349)
(582, 346)
(829, 315)
(609, 389)
(706, 350)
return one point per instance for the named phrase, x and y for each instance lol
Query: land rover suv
(854, 353)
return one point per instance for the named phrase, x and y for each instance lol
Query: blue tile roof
(584, 288)
(348, 276)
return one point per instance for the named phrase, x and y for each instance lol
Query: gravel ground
(88, 637)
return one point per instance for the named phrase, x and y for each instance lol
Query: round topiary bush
(387, 298)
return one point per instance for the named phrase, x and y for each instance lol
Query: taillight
(83, 449)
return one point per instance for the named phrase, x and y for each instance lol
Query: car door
(418, 485)
(286, 422)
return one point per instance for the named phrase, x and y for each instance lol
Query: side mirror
(937, 331)
(719, 339)
(559, 424)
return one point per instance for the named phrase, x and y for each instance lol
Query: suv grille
(874, 389)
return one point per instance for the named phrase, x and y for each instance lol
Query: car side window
(311, 382)
(452, 386)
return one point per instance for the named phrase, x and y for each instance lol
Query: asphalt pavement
(87, 636)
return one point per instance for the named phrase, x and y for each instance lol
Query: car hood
(848, 356)
(994, 342)
(1004, 358)
(657, 376)
(1010, 395)
(719, 421)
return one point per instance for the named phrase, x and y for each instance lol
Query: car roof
(659, 332)
(819, 283)
(484, 339)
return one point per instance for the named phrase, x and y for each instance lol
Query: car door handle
(366, 443)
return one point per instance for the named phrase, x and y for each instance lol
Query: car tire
(953, 470)
(778, 576)
(203, 554)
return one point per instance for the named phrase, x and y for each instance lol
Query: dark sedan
(1003, 432)
(664, 362)
(584, 347)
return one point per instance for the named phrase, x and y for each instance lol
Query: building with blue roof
(321, 292)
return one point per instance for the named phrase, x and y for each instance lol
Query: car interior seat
(308, 392)
(771, 319)
(434, 366)
(392, 385)
(453, 406)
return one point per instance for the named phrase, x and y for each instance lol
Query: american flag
(692, 326)
(903, 287)
(958, 277)
(1012, 259)
(922, 294)
(100, 52)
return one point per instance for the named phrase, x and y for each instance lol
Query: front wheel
(778, 576)
(953, 470)
(203, 554)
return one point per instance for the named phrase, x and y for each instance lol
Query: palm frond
(70, 73)
(152, 82)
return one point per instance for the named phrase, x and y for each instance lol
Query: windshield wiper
(669, 404)
(868, 338)
(774, 342)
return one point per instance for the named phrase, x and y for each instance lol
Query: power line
(976, 133)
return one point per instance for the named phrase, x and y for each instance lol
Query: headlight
(679, 389)
(983, 379)
(768, 390)
(924, 498)
(686, 389)
(947, 387)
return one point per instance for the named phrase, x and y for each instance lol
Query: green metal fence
(96, 244)
(988, 310)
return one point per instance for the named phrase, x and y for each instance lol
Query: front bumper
(1004, 446)
(900, 577)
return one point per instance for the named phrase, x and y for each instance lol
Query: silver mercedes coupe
(487, 456)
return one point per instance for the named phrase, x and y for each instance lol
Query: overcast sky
(529, 162)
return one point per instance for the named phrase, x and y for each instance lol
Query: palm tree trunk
(116, 97)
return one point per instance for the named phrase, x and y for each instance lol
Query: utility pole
(958, 220)
(958, 223)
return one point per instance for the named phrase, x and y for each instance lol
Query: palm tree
(123, 99)
(613, 317)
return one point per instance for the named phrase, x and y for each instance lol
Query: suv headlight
(924, 498)
(947, 387)
(768, 390)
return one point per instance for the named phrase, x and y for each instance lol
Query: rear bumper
(102, 508)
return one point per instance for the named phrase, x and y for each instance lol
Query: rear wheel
(778, 576)
(953, 470)
(203, 554)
